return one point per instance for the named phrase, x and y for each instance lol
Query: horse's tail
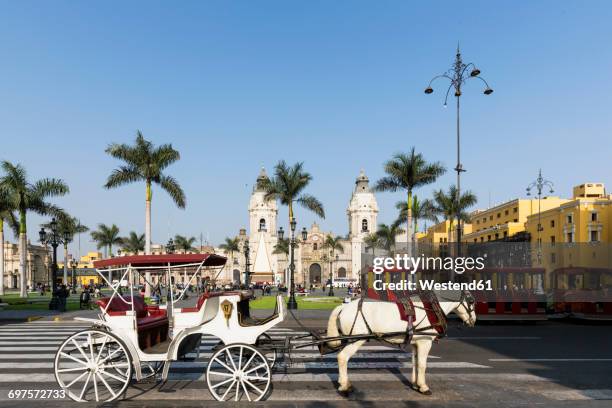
(332, 327)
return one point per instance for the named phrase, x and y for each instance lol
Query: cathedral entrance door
(314, 273)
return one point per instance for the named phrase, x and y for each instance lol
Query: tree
(145, 162)
(421, 210)
(133, 243)
(7, 212)
(372, 241)
(184, 243)
(445, 205)
(408, 172)
(387, 234)
(230, 246)
(29, 197)
(288, 184)
(105, 237)
(282, 247)
(67, 226)
(333, 244)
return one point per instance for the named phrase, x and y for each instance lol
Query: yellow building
(507, 219)
(574, 241)
(442, 233)
(585, 218)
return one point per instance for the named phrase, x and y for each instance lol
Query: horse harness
(406, 306)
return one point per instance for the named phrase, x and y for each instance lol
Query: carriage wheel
(271, 354)
(93, 365)
(238, 372)
(151, 368)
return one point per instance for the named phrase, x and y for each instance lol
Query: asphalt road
(539, 364)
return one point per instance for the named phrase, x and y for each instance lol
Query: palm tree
(133, 243)
(445, 205)
(421, 210)
(230, 246)
(372, 241)
(333, 244)
(7, 208)
(282, 247)
(184, 243)
(67, 226)
(145, 162)
(106, 237)
(287, 186)
(32, 197)
(387, 234)
(407, 172)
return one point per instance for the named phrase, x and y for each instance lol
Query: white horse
(384, 317)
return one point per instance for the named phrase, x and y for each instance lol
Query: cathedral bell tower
(362, 210)
(362, 217)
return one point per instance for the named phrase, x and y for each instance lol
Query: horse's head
(461, 303)
(465, 308)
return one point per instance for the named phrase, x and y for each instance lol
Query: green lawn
(323, 303)
(34, 301)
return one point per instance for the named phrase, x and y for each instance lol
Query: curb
(33, 318)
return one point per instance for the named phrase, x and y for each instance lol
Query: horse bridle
(468, 302)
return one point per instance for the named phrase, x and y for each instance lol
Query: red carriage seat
(147, 317)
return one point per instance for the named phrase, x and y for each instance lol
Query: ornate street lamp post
(73, 265)
(292, 303)
(247, 266)
(539, 184)
(458, 74)
(54, 239)
(331, 273)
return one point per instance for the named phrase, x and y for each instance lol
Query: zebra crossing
(27, 351)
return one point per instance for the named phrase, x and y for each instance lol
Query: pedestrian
(84, 299)
(62, 295)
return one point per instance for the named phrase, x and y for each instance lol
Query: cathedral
(314, 264)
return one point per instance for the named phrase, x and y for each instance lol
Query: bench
(151, 321)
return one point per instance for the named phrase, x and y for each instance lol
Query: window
(593, 217)
(475, 239)
(505, 234)
(594, 236)
(552, 240)
(506, 212)
(516, 220)
(515, 209)
(484, 219)
(496, 236)
(570, 237)
(477, 221)
(491, 217)
(364, 225)
(481, 239)
(488, 237)
(314, 246)
(262, 224)
(552, 223)
(569, 218)
(498, 215)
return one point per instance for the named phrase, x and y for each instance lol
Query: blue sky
(338, 85)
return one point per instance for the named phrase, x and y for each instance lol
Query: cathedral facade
(314, 263)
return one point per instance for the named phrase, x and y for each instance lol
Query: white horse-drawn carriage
(132, 339)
